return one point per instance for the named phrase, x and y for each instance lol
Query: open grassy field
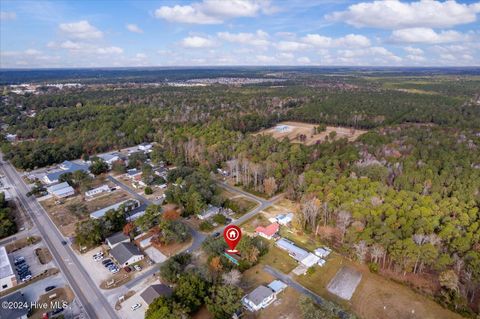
(375, 297)
(279, 259)
(293, 130)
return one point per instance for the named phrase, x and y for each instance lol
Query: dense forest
(404, 197)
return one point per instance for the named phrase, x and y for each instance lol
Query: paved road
(262, 202)
(93, 302)
(295, 285)
(129, 190)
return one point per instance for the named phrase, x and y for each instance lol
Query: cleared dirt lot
(71, 210)
(293, 130)
(345, 282)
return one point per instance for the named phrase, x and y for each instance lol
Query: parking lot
(95, 268)
(31, 259)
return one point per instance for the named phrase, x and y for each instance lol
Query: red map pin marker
(232, 235)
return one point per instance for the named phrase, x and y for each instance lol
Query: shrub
(206, 226)
(148, 190)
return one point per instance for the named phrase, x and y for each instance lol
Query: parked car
(215, 235)
(98, 258)
(64, 242)
(49, 288)
(127, 269)
(115, 270)
(24, 266)
(19, 260)
(106, 261)
(26, 278)
(137, 267)
(56, 311)
(136, 306)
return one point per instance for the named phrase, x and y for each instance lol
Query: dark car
(19, 261)
(25, 266)
(128, 269)
(108, 264)
(56, 311)
(64, 242)
(215, 235)
(49, 288)
(106, 261)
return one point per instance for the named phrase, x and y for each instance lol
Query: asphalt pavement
(94, 303)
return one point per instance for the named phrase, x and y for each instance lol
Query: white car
(114, 270)
(136, 306)
(137, 267)
(27, 278)
(98, 258)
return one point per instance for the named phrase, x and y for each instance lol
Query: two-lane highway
(93, 302)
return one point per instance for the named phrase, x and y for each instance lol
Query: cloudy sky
(238, 32)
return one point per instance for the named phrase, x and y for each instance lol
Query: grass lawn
(252, 223)
(244, 205)
(279, 259)
(300, 239)
(375, 297)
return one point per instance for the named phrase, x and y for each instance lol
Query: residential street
(92, 300)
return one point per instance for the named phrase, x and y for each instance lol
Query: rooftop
(117, 238)
(270, 230)
(277, 285)
(155, 291)
(296, 252)
(13, 312)
(101, 212)
(124, 251)
(5, 266)
(259, 294)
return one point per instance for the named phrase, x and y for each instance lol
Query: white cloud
(212, 11)
(426, 35)
(197, 42)
(368, 56)
(134, 28)
(32, 52)
(266, 59)
(140, 56)
(291, 46)
(349, 41)
(70, 45)
(110, 50)
(303, 60)
(260, 38)
(7, 15)
(412, 50)
(81, 30)
(415, 58)
(395, 14)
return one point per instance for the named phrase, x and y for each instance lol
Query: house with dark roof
(126, 254)
(116, 239)
(155, 291)
(260, 297)
(65, 167)
(14, 312)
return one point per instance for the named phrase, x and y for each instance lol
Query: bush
(206, 226)
(220, 219)
(148, 190)
(373, 267)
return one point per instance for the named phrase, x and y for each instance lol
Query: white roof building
(61, 190)
(98, 190)
(7, 276)
(130, 204)
(310, 261)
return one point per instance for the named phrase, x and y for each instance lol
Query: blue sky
(238, 32)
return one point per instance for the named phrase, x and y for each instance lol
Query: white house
(102, 189)
(208, 212)
(277, 286)
(109, 158)
(61, 190)
(146, 147)
(310, 261)
(259, 298)
(322, 252)
(7, 276)
(126, 254)
(130, 204)
(284, 219)
(117, 239)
